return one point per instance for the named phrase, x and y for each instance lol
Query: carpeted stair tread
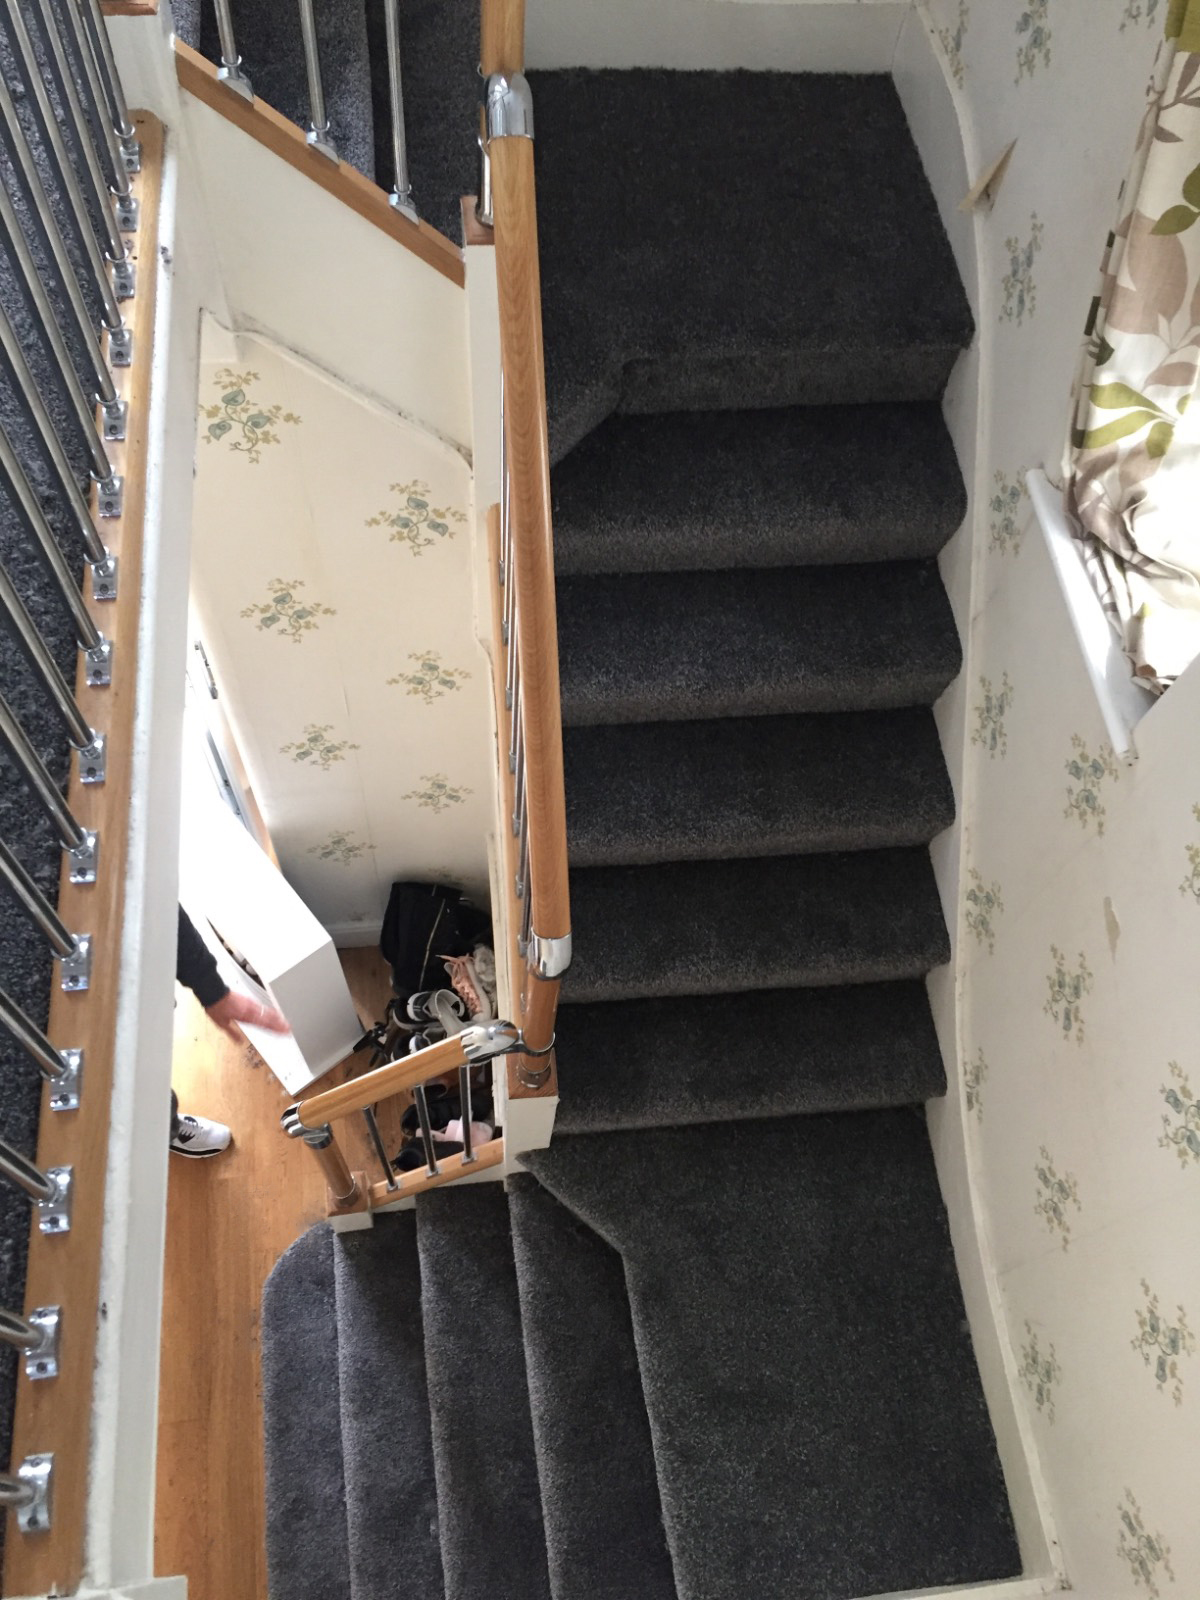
(391, 1497)
(307, 1549)
(659, 647)
(781, 923)
(819, 1426)
(271, 46)
(672, 1062)
(757, 786)
(604, 1529)
(490, 1514)
(758, 489)
(724, 240)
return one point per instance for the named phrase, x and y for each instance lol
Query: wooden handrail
(519, 286)
(392, 1078)
(501, 36)
(65, 1269)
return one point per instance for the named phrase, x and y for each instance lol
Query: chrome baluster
(62, 1068)
(83, 737)
(73, 950)
(422, 1105)
(36, 1338)
(81, 844)
(98, 115)
(318, 129)
(230, 72)
(526, 938)
(118, 111)
(379, 1147)
(401, 196)
(38, 207)
(109, 496)
(505, 508)
(96, 648)
(464, 1101)
(50, 1191)
(31, 1493)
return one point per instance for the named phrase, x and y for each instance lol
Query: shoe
(197, 1136)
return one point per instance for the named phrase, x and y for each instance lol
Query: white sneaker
(198, 1136)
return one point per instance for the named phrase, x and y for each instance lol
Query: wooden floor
(229, 1218)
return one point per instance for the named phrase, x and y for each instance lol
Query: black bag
(423, 922)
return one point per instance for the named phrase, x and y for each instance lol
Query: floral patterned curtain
(1133, 464)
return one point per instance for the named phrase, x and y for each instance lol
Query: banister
(501, 36)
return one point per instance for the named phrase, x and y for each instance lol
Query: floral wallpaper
(332, 586)
(1072, 876)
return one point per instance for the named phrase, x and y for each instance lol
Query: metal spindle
(318, 131)
(484, 206)
(230, 71)
(22, 887)
(518, 765)
(91, 641)
(43, 314)
(422, 1105)
(83, 738)
(514, 699)
(51, 1063)
(464, 1100)
(118, 111)
(522, 857)
(68, 96)
(15, 1331)
(401, 196)
(527, 898)
(18, 1169)
(16, 1492)
(97, 114)
(41, 214)
(74, 839)
(505, 504)
(380, 1148)
(68, 488)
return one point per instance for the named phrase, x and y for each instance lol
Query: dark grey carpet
(758, 786)
(391, 1498)
(595, 1460)
(657, 647)
(272, 51)
(818, 1423)
(487, 1481)
(780, 923)
(727, 240)
(667, 1063)
(307, 1551)
(758, 489)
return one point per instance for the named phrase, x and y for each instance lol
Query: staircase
(712, 1341)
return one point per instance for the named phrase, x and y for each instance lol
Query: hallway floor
(229, 1218)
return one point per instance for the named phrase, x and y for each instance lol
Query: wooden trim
(501, 36)
(65, 1270)
(519, 286)
(392, 1078)
(274, 131)
(449, 1168)
(129, 8)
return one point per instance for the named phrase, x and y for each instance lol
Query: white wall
(1058, 1139)
(784, 36)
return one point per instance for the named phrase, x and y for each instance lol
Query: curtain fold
(1132, 471)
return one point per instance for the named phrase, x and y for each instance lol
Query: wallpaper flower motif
(1034, 27)
(1006, 530)
(438, 794)
(990, 714)
(1020, 290)
(431, 680)
(316, 748)
(1054, 1195)
(1181, 1130)
(1067, 989)
(951, 40)
(285, 613)
(974, 1074)
(414, 521)
(1089, 773)
(237, 413)
(1040, 1372)
(1161, 1343)
(1191, 884)
(983, 906)
(340, 847)
(1148, 1555)
(1139, 11)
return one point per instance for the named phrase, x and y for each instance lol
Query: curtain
(1132, 473)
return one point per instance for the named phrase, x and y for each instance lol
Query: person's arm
(196, 969)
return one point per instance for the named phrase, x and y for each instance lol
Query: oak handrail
(392, 1078)
(501, 36)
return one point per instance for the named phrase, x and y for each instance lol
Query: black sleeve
(196, 966)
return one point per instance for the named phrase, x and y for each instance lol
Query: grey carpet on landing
(712, 1343)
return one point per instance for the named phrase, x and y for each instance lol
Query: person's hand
(233, 1008)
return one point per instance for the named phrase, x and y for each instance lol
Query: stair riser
(753, 700)
(885, 966)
